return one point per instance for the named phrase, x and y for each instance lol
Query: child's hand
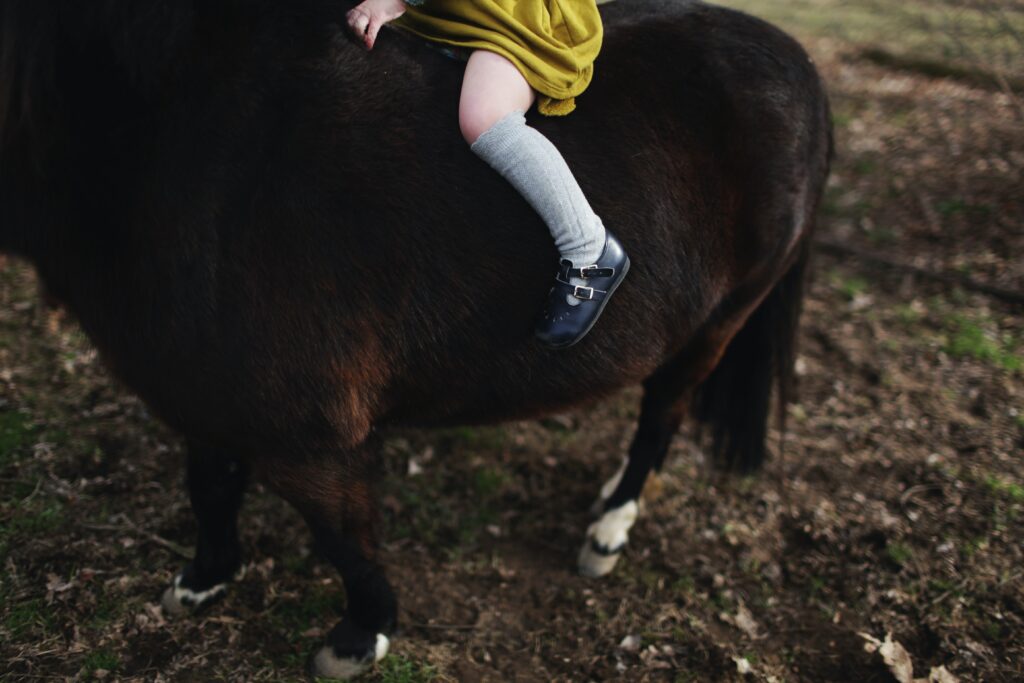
(366, 18)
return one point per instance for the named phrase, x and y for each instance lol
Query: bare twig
(177, 549)
(1010, 579)
(445, 627)
(836, 247)
(914, 490)
(945, 594)
(936, 68)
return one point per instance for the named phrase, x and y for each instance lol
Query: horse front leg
(216, 485)
(334, 496)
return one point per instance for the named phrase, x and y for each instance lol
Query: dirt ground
(896, 507)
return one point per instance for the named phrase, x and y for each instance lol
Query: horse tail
(733, 402)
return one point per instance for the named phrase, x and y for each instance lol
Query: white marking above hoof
(606, 539)
(609, 488)
(326, 665)
(178, 600)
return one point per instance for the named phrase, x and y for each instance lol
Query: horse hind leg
(662, 410)
(666, 401)
(216, 485)
(737, 362)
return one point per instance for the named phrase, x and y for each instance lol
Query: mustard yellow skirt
(553, 43)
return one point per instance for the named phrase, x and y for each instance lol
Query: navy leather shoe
(562, 324)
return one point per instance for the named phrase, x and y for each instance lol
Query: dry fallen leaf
(898, 660)
(630, 643)
(743, 666)
(941, 675)
(743, 620)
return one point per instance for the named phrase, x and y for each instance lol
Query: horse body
(282, 243)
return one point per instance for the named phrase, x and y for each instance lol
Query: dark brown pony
(282, 243)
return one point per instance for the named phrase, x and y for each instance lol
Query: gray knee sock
(533, 166)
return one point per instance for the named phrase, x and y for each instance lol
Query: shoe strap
(586, 271)
(582, 293)
(596, 271)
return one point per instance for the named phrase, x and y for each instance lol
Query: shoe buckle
(596, 271)
(583, 293)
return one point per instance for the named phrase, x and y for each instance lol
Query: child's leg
(495, 97)
(492, 87)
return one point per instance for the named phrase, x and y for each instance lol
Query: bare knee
(476, 119)
(492, 88)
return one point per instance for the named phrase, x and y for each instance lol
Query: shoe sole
(600, 310)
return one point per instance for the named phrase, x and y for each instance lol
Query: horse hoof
(328, 663)
(595, 560)
(606, 539)
(179, 600)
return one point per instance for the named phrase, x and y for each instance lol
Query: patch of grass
(830, 203)
(15, 435)
(649, 579)
(972, 338)
(316, 605)
(746, 484)
(398, 669)
(848, 286)
(28, 616)
(422, 516)
(721, 602)
(474, 438)
(108, 610)
(18, 490)
(899, 553)
(295, 563)
(865, 166)
(955, 206)
(964, 269)
(993, 631)
(951, 207)
(449, 513)
(470, 526)
(853, 286)
(488, 481)
(1011, 490)
(100, 660)
(940, 586)
(882, 235)
(974, 546)
(1003, 516)
(908, 314)
(684, 585)
(926, 31)
(43, 520)
(841, 119)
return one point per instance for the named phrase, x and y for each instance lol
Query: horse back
(702, 143)
(301, 242)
